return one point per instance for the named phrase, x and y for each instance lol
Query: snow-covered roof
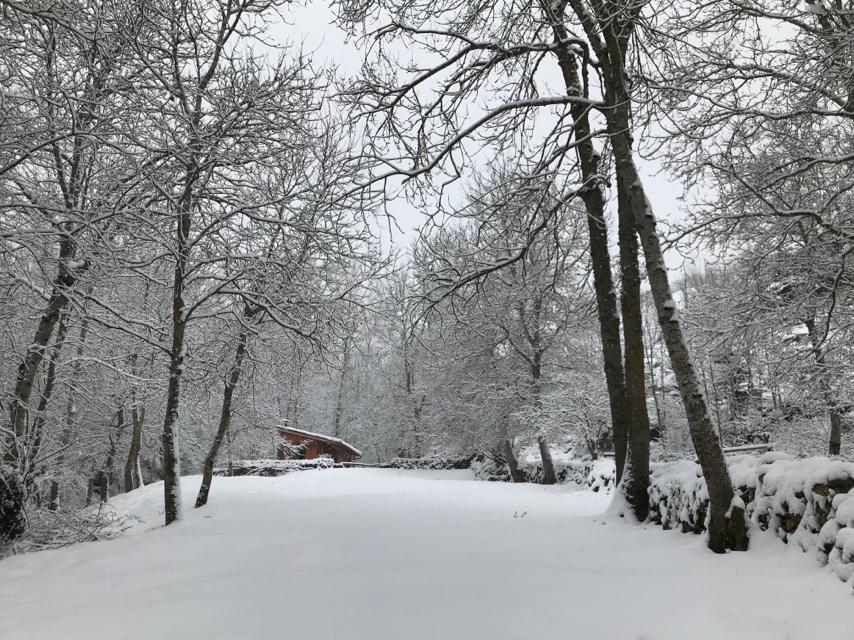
(324, 438)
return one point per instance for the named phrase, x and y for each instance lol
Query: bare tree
(58, 179)
(437, 144)
(224, 115)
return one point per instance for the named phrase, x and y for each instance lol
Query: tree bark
(28, 369)
(53, 499)
(224, 419)
(115, 437)
(835, 440)
(70, 412)
(609, 36)
(413, 398)
(171, 468)
(16, 445)
(593, 198)
(654, 390)
(292, 408)
(512, 463)
(33, 446)
(549, 476)
(835, 445)
(635, 486)
(132, 463)
(339, 399)
(726, 524)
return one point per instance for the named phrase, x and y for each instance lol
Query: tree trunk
(27, 370)
(653, 387)
(726, 524)
(171, 462)
(339, 400)
(115, 437)
(705, 383)
(228, 441)
(224, 420)
(835, 447)
(635, 486)
(139, 477)
(610, 36)
(292, 409)
(53, 500)
(416, 431)
(171, 470)
(34, 442)
(14, 484)
(70, 412)
(716, 396)
(132, 464)
(594, 203)
(549, 476)
(512, 463)
(835, 440)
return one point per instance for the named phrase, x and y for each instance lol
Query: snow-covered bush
(487, 467)
(808, 501)
(602, 475)
(12, 499)
(57, 529)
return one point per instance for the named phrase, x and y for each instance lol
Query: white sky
(327, 46)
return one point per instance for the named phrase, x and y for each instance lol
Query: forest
(462, 250)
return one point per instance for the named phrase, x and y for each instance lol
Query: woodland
(204, 234)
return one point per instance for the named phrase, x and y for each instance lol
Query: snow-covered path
(376, 555)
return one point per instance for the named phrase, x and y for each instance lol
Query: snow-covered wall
(431, 463)
(273, 467)
(807, 501)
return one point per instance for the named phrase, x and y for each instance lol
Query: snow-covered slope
(372, 554)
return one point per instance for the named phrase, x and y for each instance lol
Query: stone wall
(804, 501)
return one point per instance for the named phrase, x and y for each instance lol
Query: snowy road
(374, 555)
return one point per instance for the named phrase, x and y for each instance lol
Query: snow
(735, 503)
(670, 307)
(376, 554)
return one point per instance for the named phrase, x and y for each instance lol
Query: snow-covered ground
(383, 554)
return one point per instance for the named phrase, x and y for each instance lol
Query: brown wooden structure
(297, 444)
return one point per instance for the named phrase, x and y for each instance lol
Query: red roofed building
(296, 444)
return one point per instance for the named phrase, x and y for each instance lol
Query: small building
(296, 444)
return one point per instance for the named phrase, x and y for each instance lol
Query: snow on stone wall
(805, 501)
